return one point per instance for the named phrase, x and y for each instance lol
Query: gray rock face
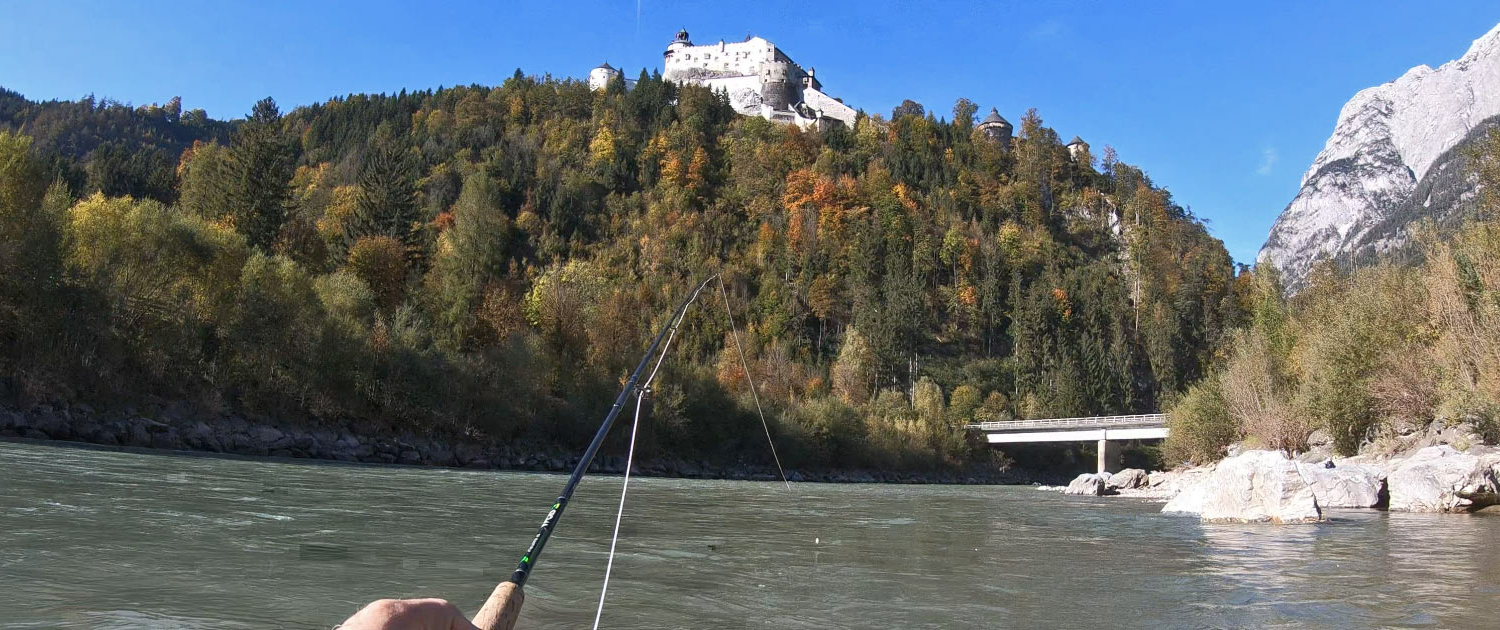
(1392, 159)
(1444, 479)
(1087, 484)
(1252, 487)
(1128, 479)
(467, 453)
(268, 437)
(1346, 485)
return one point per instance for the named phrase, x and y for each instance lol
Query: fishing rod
(504, 605)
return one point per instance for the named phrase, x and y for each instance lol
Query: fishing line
(629, 459)
(734, 332)
(635, 424)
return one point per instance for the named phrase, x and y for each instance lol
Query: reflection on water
(1361, 569)
(92, 539)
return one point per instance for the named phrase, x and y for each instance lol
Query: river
(100, 539)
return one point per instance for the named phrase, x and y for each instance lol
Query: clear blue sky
(1224, 105)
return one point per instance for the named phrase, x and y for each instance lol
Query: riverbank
(1440, 469)
(175, 427)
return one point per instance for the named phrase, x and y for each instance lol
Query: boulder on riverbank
(1252, 487)
(1128, 479)
(1444, 479)
(1087, 484)
(1346, 485)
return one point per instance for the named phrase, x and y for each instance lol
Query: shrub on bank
(1200, 423)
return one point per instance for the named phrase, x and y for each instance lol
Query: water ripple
(95, 539)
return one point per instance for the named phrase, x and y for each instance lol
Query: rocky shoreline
(177, 428)
(1445, 470)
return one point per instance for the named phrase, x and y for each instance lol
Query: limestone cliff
(1396, 156)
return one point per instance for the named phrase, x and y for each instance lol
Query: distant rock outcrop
(1397, 155)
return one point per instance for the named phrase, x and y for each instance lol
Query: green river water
(99, 539)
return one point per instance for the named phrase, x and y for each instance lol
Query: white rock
(1253, 487)
(1087, 484)
(1127, 479)
(1444, 479)
(1345, 485)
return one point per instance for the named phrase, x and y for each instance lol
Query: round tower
(600, 77)
(1076, 146)
(776, 85)
(681, 41)
(996, 127)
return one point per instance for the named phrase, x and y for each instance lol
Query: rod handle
(502, 608)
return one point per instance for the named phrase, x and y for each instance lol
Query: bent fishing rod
(504, 605)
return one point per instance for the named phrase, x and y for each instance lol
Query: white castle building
(759, 79)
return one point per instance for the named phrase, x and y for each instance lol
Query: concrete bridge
(1104, 429)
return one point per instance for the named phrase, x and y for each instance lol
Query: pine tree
(387, 200)
(261, 163)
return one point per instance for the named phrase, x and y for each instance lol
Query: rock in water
(1128, 479)
(1252, 487)
(1345, 486)
(1087, 484)
(1444, 479)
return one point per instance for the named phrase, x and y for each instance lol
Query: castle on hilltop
(759, 79)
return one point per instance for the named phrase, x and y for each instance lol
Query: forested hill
(495, 259)
(102, 145)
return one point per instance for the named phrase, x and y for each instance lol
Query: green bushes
(837, 432)
(1201, 425)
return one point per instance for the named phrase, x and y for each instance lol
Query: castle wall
(830, 107)
(745, 58)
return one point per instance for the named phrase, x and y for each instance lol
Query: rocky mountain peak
(1357, 197)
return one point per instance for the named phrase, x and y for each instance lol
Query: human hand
(408, 614)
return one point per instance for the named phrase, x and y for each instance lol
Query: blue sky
(1223, 105)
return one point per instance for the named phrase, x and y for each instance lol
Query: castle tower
(1076, 146)
(680, 42)
(811, 79)
(776, 85)
(996, 127)
(600, 77)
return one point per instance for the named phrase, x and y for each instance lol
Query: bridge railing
(1099, 422)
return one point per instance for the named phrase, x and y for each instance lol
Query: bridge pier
(1109, 456)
